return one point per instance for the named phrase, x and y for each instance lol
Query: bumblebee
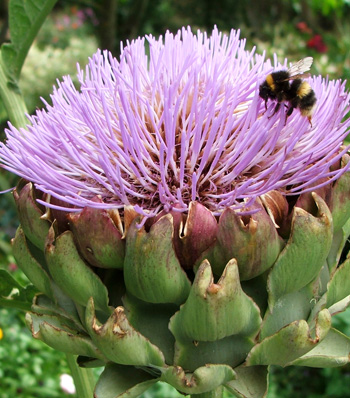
(288, 86)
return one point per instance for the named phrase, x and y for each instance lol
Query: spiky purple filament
(184, 124)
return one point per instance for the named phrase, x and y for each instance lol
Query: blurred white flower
(67, 383)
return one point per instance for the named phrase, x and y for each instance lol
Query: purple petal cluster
(176, 119)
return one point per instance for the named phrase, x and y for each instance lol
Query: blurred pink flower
(303, 27)
(317, 43)
(12, 267)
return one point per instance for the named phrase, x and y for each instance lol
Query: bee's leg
(289, 112)
(277, 107)
(309, 119)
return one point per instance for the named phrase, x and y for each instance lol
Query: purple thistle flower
(184, 123)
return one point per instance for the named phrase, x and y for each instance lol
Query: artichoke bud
(181, 231)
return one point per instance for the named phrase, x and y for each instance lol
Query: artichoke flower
(175, 229)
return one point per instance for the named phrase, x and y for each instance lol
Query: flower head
(176, 119)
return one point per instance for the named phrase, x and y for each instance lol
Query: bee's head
(266, 89)
(266, 92)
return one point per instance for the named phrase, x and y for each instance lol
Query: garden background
(75, 29)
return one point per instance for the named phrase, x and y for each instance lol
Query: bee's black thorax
(275, 85)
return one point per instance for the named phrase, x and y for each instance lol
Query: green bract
(193, 300)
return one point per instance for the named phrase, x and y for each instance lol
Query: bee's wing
(300, 67)
(302, 76)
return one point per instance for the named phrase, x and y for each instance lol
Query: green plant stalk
(13, 100)
(217, 393)
(23, 45)
(84, 379)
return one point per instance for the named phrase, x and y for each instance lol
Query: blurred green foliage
(326, 7)
(44, 65)
(22, 372)
(288, 28)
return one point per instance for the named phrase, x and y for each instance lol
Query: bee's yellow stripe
(304, 89)
(270, 82)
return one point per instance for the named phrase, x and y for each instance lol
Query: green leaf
(118, 381)
(251, 382)
(72, 274)
(13, 101)
(305, 253)
(152, 271)
(231, 350)
(339, 240)
(339, 285)
(28, 264)
(13, 303)
(59, 333)
(89, 362)
(7, 283)
(290, 342)
(120, 342)
(339, 306)
(340, 204)
(25, 20)
(203, 379)
(244, 238)
(13, 295)
(216, 310)
(98, 238)
(152, 321)
(287, 309)
(35, 228)
(42, 305)
(333, 351)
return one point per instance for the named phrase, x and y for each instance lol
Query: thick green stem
(84, 379)
(217, 393)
